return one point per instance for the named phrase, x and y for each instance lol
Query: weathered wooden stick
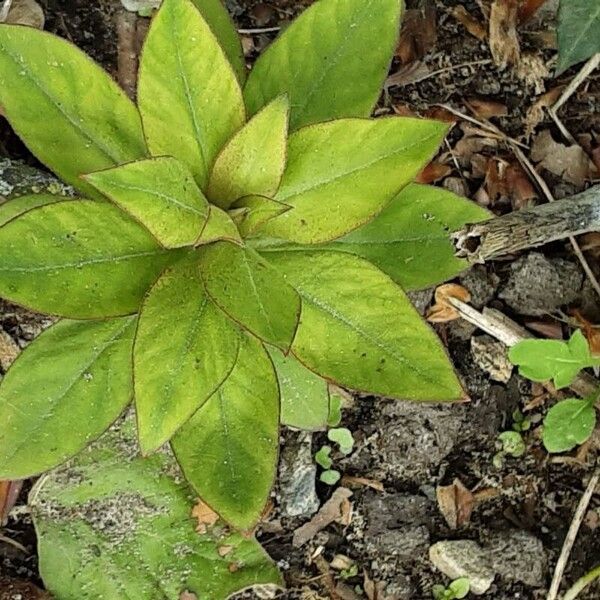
(529, 227)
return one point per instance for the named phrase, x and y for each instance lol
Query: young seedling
(459, 588)
(511, 444)
(570, 422)
(239, 241)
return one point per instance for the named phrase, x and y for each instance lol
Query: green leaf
(568, 424)
(251, 292)
(189, 97)
(113, 525)
(252, 161)
(578, 32)
(17, 206)
(323, 458)
(176, 373)
(79, 259)
(68, 111)
(222, 25)
(332, 61)
(63, 392)
(339, 175)
(343, 438)
(542, 360)
(304, 395)
(359, 329)
(161, 194)
(254, 211)
(460, 587)
(330, 477)
(335, 409)
(228, 450)
(409, 240)
(512, 443)
(219, 227)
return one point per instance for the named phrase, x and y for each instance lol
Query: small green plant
(345, 441)
(569, 422)
(239, 241)
(459, 588)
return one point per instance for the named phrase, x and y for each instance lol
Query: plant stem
(529, 228)
(582, 583)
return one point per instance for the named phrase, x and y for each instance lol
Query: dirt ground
(405, 452)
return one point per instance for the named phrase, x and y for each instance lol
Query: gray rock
(421, 299)
(405, 544)
(436, 427)
(491, 356)
(517, 555)
(481, 285)
(538, 285)
(297, 473)
(464, 558)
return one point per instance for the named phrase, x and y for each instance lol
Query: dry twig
(572, 535)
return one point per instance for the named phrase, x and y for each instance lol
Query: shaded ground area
(512, 518)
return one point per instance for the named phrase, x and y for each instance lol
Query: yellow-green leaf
(339, 175)
(161, 194)
(252, 162)
(358, 329)
(222, 25)
(79, 259)
(332, 61)
(189, 96)
(219, 226)
(251, 292)
(185, 347)
(228, 450)
(11, 209)
(252, 212)
(63, 392)
(69, 112)
(304, 395)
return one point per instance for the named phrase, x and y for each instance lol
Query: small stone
(298, 473)
(9, 350)
(490, 355)
(538, 285)
(481, 285)
(464, 558)
(517, 555)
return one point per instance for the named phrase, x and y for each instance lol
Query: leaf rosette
(239, 241)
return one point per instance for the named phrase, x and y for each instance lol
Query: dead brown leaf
(519, 187)
(469, 22)
(205, 515)
(187, 596)
(590, 243)
(533, 72)
(433, 172)
(484, 108)
(528, 8)
(535, 114)
(9, 493)
(596, 158)
(456, 503)
(419, 33)
(591, 332)
(375, 590)
(407, 74)
(224, 550)
(10, 589)
(331, 511)
(26, 12)
(569, 162)
(442, 311)
(504, 40)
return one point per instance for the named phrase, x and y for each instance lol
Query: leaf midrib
(106, 151)
(84, 263)
(281, 197)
